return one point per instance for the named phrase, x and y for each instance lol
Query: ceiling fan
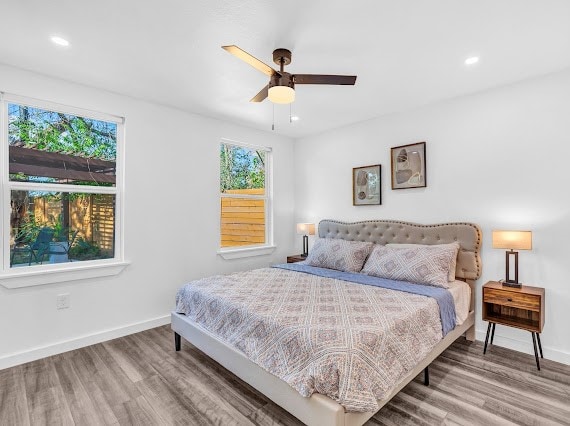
(281, 86)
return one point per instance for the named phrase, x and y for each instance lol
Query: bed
(229, 346)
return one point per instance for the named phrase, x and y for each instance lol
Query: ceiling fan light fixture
(281, 94)
(281, 86)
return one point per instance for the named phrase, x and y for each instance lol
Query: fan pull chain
(273, 124)
(290, 113)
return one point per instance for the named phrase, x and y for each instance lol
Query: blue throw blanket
(441, 295)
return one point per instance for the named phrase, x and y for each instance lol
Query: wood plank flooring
(140, 380)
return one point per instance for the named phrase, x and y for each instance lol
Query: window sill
(238, 253)
(30, 278)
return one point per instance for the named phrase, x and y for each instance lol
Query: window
(62, 184)
(245, 197)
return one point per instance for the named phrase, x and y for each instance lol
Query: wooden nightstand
(295, 258)
(516, 307)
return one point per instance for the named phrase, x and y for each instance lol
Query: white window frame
(258, 249)
(61, 272)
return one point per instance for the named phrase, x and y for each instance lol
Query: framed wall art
(366, 185)
(409, 166)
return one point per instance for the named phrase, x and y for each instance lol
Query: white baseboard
(33, 354)
(525, 347)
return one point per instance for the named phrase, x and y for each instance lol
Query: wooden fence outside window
(243, 219)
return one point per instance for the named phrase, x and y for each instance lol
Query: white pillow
(420, 264)
(453, 264)
(342, 255)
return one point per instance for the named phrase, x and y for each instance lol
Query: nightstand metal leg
(535, 351)
(539, 344)
(493, 332)
(177, 342)
(426, 376)
(487, 338)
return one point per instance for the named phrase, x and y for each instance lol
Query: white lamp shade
(281, 94)
(306, 228)
(515, 240)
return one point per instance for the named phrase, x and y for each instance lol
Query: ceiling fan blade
(251, 60)
(324, 79)
(260, 97)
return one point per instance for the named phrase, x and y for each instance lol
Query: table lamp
(305, 229)
(512, 240)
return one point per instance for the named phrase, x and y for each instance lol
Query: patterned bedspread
(349, 341)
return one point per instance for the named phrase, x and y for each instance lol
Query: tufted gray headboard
(390, 231)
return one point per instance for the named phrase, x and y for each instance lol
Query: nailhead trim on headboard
(392, 231)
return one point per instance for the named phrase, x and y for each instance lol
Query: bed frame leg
(426, 376)
(470, 333)
(177, 342)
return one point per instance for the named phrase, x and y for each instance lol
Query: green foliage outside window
(85, 250)
(64, 133)
(241, 168)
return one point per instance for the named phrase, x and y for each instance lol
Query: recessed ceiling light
(60, 41)
(294, 118)
(472, 60)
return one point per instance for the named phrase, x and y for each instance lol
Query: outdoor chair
(35, 250)
(63, 247)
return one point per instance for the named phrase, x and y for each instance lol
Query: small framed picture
(409, 166)
(366, 185)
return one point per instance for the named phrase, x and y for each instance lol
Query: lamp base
(511, 284)
(305, 246)
(508, 280)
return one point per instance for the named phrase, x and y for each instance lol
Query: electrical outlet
(62, 301)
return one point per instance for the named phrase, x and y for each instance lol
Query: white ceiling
(406, 53)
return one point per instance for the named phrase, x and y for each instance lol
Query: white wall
(171, 223)
(500, 159)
